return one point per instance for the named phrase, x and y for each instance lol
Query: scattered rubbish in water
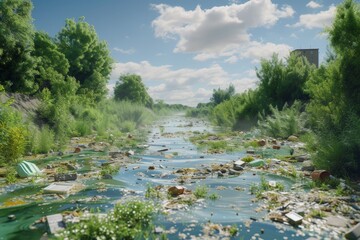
(294, 218)
(257, 163)
(65, 177)
(353, 233)
(320, 175)
(62, 188)
(55, 223)
(176, 190)
(163, 150)
(27, 169)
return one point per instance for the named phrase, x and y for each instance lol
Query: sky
(183, 49)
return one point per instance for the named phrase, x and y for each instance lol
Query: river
(169, 150)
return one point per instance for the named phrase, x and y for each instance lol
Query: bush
(240, 112)
(13, 134)
(289, 121)
(338, 150)
(130, 220)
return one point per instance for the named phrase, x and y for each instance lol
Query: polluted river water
(169, 150)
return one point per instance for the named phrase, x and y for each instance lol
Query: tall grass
(40, 140)
(123, 116)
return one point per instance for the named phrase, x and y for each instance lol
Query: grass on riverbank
(130, 220)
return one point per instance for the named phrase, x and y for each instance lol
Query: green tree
(283, 82)
(221, 95)
(52, 66)
(89, 58)
(131, 88)
(344, 38)
(16, 43)
(334, 90)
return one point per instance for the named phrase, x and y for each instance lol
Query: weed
(254, 188)
(342, 191)
(247, 159)
(11, 176)
(152, 192)
(217, 145)
(252, 144)
(109, 170)
(201, 192)
(213, 196)
(280, 186)
(233, 230)
(292, 172)
(258, 189)
(317, 213)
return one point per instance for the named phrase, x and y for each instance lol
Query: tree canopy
(131, 88)
(51, 65)
(16, 44)
(89, 58)
(221, 95)
(283, 82)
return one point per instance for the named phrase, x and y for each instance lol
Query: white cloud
(317, 20)
(313, 4)
(124, 51)
(232, 59)
(216, 32)
(186, 85)
(257, 51)
(293, 35)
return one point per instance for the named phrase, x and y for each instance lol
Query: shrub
(129, 220)
(289, 121)
(13, 134)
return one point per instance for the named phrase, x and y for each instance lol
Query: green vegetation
(109, 170)
(289, 121)
(213, 196)
(247, 159)
(16, 45)
(130, 220)
(233, 230)
(130, 88)
(11, 175)
(281, 84)
(317, 213)
(68, 74)
(201, 192)
(295, 98)
(334, 92)
(13, 134)
(260, 188)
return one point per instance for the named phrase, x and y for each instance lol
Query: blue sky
(185, 49)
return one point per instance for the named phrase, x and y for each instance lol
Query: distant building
(312, 55)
